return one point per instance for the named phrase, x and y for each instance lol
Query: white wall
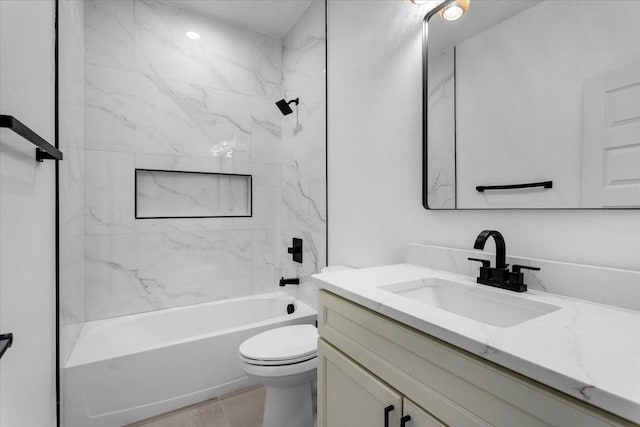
(375, 150)
(27, 216)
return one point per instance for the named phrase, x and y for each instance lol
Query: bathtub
(129, 368)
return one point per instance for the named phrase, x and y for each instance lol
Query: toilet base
(288, 406)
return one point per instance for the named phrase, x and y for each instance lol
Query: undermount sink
(492, 307)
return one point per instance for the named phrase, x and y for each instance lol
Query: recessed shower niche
(186, 194)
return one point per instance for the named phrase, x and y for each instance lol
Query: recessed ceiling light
(193, 35)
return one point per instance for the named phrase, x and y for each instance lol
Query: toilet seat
(287, 345)
(281, 372)
(277, 362)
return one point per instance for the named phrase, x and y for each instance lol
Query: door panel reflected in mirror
(533, 104)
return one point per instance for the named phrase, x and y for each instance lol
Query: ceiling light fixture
(193, 35)
(454, 10)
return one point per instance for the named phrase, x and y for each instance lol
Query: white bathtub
(129, 368)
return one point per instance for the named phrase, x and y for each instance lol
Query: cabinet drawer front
(460, 389)
(349, 396)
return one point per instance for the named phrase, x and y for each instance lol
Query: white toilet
(285, 360)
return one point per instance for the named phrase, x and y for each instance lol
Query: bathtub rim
(302, 310)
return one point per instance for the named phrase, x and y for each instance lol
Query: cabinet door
(418, 417)
(349, 396)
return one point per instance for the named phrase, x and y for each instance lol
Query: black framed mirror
(532, 105)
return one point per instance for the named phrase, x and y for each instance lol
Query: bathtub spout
(293, 281)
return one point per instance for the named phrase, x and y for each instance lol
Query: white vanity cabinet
(368, 362)
(352, 396)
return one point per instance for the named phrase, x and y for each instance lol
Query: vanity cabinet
(354, 397)
(368, 362)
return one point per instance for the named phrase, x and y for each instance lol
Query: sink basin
(496, 308)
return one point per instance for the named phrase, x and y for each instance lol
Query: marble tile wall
(303, 207)
(158, 100)
(71, 196)
(441, 166)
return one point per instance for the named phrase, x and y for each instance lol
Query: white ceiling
(482, 15)
(272, 17)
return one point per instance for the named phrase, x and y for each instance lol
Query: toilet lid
(282, 344)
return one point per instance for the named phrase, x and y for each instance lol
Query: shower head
(284, 106)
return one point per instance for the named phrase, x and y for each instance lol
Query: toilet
(285, 361)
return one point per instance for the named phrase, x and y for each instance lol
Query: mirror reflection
(534, 104)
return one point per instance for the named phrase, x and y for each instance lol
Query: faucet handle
(485, 262)
(517, 268)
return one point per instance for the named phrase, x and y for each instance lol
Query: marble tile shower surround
(139, 113)
(137, 272)
(71, 197)
(611, 286)
(441, 138)
(157, 100)
(303, 207)
(149, 37)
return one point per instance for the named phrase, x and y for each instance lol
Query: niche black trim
(135, 194)
(544, 184)
(44, 150)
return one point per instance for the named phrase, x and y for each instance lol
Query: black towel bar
(5, 342)
(44, 150)
(544, 184)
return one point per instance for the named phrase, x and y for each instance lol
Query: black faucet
(501, 250)
(292, 281)
(500, 276)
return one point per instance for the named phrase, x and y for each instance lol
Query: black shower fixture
(284, 105)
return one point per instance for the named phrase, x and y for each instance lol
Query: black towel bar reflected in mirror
(544, 184)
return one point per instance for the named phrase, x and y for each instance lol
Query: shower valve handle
(296, 250)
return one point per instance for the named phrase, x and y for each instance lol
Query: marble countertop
(587, 350)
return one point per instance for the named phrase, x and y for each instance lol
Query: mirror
(532, 104)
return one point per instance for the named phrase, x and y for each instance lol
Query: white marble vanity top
(587, 350)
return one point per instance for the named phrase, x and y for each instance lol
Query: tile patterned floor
(241, 409)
